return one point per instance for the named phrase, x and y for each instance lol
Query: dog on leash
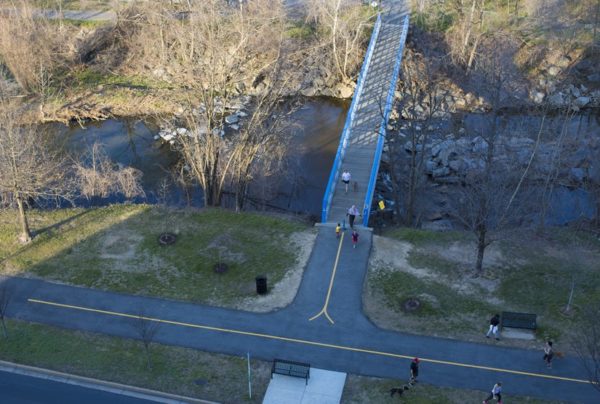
(398, 390)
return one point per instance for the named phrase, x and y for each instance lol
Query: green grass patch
(175, 370)
(420, 237)
(300, 30)
(438, 300)
(116, 248)
(360, 389)
(88, 77)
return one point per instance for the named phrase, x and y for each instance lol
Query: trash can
(261, 284)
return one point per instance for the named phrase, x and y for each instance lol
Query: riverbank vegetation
(159, 52)
(214, 259)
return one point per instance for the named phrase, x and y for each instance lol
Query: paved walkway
(323, 387)
(339, 338)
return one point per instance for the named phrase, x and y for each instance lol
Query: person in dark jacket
(494, 323)
(414, 370)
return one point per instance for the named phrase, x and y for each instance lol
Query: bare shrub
(98, 176)
(32, 47)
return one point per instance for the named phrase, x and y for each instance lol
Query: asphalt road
(21, 389)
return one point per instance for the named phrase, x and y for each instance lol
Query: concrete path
(339, 337)
(323, 387)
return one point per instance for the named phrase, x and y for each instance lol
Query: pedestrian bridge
(363, 137)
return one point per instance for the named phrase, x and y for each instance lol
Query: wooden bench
(518, 320)
(289, 368)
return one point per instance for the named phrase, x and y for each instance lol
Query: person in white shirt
(352, 213)
(346, 177)
(496, 393)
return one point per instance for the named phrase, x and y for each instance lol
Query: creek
(317, 126)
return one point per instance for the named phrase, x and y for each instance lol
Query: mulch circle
(166, 239)
(220, 268)
(411, 304)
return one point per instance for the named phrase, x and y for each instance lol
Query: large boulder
(557, 100)
(582, 101)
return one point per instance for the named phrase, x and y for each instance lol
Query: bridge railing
(341, 151)
(382, 127)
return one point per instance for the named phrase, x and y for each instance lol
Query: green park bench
(526, 321)
(289, 368)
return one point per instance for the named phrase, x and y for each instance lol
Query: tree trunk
(481, 245)
(25, 231)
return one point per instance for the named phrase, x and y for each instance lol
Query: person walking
(354, 238)
(346, 177)
(338, 231)
(494, 322)
(495, 393)
(414, 371)
(352, 213)
(548, 354)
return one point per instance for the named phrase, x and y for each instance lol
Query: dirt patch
(284, 291)
(120, 244)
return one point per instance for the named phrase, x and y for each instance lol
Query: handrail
(382, 128)
(341, 151)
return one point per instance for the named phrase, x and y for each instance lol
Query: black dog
(399, 390)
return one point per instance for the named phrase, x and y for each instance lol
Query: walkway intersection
(350, 344)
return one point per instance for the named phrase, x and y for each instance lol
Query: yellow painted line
(324, 309)
(308, 342)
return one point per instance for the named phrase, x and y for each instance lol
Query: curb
(96, 384)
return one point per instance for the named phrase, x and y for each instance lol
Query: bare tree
(467, 33)
(342, 24)
(487, 198)
(146, 329)
(4, 302)
(586, 343)
(220, 48)
(420, 104)
(31, 168)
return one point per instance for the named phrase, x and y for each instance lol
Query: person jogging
(548, 354)
(346, 177)
(495, 393)
(354, 238)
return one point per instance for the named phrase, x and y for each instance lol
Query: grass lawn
(116, 248)
(174, 370)
(527, 272)
(361, 389)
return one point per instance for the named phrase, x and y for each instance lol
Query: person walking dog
(495, 393)
(494, 322)
(548, 354)
(352, 213)
(414, 371)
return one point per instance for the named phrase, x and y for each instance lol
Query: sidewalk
(323, 387)
(95, 384)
